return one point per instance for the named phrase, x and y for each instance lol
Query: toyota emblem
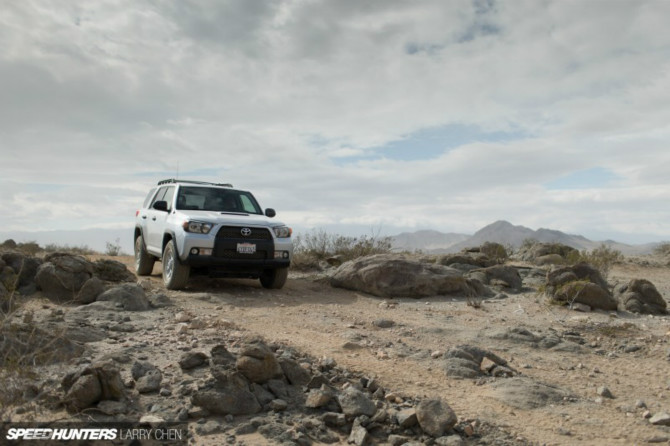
(246, 232)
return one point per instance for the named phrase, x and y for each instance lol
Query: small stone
(435, 417)
(576, 306)
(383, 323)
(406, 418)
(182, 317)
(660, 419)
(191, 360)
(318, 398)
(334, 419)
(358, 436)
(646, 414)
(469, 430)
(640, 404)
(436, 354)
(278, 405)
(604, 392)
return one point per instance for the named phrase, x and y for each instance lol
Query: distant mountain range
(428, 241)
(507, 234)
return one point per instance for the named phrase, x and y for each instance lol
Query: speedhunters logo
(13, 434)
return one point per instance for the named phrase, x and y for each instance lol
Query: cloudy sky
(349, 115)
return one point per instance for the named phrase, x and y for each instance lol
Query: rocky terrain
(461, 349)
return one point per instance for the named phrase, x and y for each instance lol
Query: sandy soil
(322, 321)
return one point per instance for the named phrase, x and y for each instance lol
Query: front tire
(144, 262)
(175, 275)
(274, 279)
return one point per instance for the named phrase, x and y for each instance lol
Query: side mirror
(161, 206)
(269, 212)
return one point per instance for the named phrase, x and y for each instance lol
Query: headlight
(283, 231)
(197, 227)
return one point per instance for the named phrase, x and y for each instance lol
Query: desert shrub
(113, 249)
(30, 248)
(76, 250)
(663, 249)
(317, 245)
(8, 244)
(495, 251)
(602, 258)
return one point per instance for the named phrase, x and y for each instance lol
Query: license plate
(246, 248)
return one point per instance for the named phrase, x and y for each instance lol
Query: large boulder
(388, 275)
(581, 283)
(477, 259)
(546, 253)
(97, 382)
(25, 266)
(502, 276)
(112, 271)
(61, 276)
(640, 296)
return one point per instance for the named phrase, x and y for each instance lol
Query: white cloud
(296, 100)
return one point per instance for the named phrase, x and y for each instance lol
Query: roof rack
(174, 180)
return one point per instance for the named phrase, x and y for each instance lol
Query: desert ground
(401, 343)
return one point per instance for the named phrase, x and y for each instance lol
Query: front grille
(235, 232)
(233, 254)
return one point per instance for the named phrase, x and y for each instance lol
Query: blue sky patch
(433, 142)
(585, 179)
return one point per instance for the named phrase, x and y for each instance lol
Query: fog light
(205, 251)
(194, 251)
(281, 254)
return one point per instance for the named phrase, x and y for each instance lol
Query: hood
(229, 218)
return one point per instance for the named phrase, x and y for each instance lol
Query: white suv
(196, 227)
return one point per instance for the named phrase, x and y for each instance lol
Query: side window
(248, 205)
(159, 196)
(169, 196)
(148, 198)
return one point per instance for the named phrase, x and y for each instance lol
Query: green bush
(76, 250)
(113, 249)
(317, 245)
(602, 258)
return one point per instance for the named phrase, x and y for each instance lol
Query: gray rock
(499, 275)
(25, 266)
(318, 398)
(580, 283)
(604, 392)
(90, 291)
(112, 271)
(85, 392)
(390, 275)
(640, 296)
(354, 403)
(62, 276)
(221, 356)
(192, 360)
(141, 368)
(524, 393)
(231, 396)
(294, 372)
(263, 396)
(334, 419)
(383, 323)
(150, 382)
(450, 440)
(407, 418)
(278, 405)
(397, 440)
(660, 419)
(258, 363)
(358, 435)
(435, 417)
(130, 297)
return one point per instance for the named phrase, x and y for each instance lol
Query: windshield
(216, 199)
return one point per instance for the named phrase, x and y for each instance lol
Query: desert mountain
(507, 234)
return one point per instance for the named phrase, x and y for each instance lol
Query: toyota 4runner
(194, 227)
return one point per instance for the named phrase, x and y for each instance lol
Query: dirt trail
(628, 354)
